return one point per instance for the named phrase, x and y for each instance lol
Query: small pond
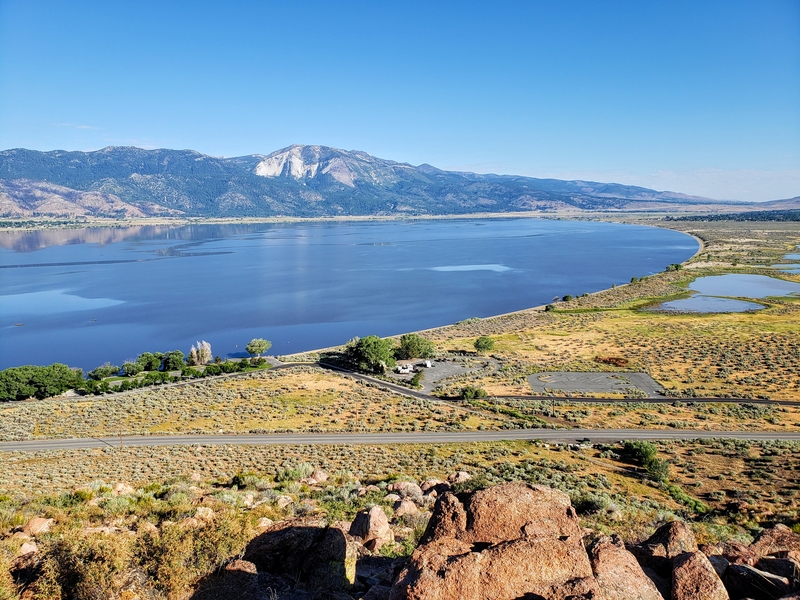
(744, 286)
(714, 293)
(709, 304)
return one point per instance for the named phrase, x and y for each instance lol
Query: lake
(87, 296)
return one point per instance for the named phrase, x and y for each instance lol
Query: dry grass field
(734, 483)
(744, 355)
(639, 414)
(289, 400)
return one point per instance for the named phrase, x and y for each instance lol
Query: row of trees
(29, 381)
(200, 354)
(147, 361)
(160, 377)
(21, 383)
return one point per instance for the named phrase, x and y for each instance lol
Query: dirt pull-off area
(628, 384)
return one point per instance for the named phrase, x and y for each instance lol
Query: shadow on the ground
(298, 563)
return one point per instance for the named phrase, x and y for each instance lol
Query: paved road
(545, 435)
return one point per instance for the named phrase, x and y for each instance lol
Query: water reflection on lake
(788, 268)
(107, 294)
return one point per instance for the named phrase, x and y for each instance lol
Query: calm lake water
(709, 304)
(84, 297)
(744, 286)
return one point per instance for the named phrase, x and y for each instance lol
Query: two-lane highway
(422, 437)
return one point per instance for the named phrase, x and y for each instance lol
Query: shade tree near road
(371, 354)
(103, 371)
(413, 345)
(257, 346)
(149, 361)
(131, 368)
(173, 361)
(20, 383)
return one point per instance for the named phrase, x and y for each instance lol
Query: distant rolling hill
(302, 181)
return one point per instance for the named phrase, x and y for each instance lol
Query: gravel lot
(595, 382)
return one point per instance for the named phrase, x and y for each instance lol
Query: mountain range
(298, 181)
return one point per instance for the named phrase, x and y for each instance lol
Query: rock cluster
(767, 569)
(509, 542)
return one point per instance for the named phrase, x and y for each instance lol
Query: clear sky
(700, 96)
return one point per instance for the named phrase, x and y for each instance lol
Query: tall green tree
(258, 346)
(103, 371)
(149, 361)
(131, 368)
(20, 383)
(372, 354)
(173, 361)
(413, 345)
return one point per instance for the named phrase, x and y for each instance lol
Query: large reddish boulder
(778, 541)
(694, 578)
(618, 574)
(502, 513)
(506, 542)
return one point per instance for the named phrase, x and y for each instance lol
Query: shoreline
(44, 224)
(611, 218)
(538, 308)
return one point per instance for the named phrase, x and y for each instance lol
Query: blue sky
(701, 96)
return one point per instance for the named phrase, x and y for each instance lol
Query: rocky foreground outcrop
(509, 542)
